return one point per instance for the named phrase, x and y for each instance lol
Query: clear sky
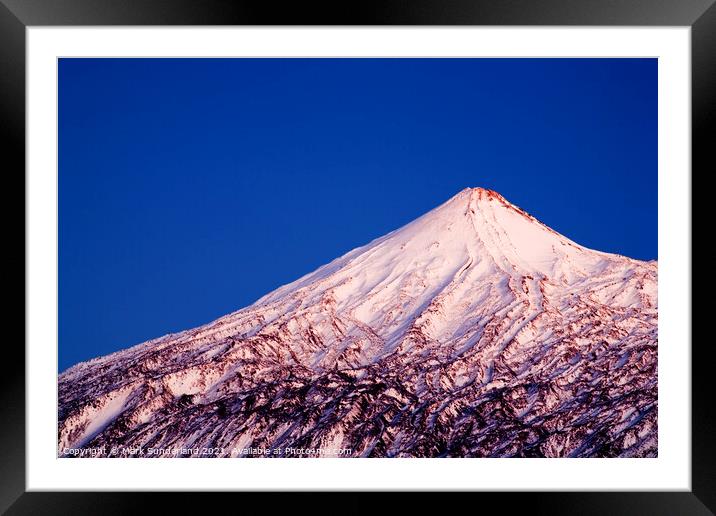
(188, 188)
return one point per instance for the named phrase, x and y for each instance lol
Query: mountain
(473, 331)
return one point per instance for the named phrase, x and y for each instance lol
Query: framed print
(416, 249)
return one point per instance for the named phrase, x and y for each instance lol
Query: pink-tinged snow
(94, 418)
(474, 300)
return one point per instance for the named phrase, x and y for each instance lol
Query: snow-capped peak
(476, 232)
(474, 330)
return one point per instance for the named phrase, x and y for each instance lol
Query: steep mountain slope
(473, 331)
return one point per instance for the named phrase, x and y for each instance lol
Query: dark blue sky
(188, 188)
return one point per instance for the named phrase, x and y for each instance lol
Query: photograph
(357, 257)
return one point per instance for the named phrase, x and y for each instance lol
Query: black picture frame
(17, 15)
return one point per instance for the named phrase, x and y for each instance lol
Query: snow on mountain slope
(473, 331)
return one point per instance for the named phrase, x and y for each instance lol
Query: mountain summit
(473, 331)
